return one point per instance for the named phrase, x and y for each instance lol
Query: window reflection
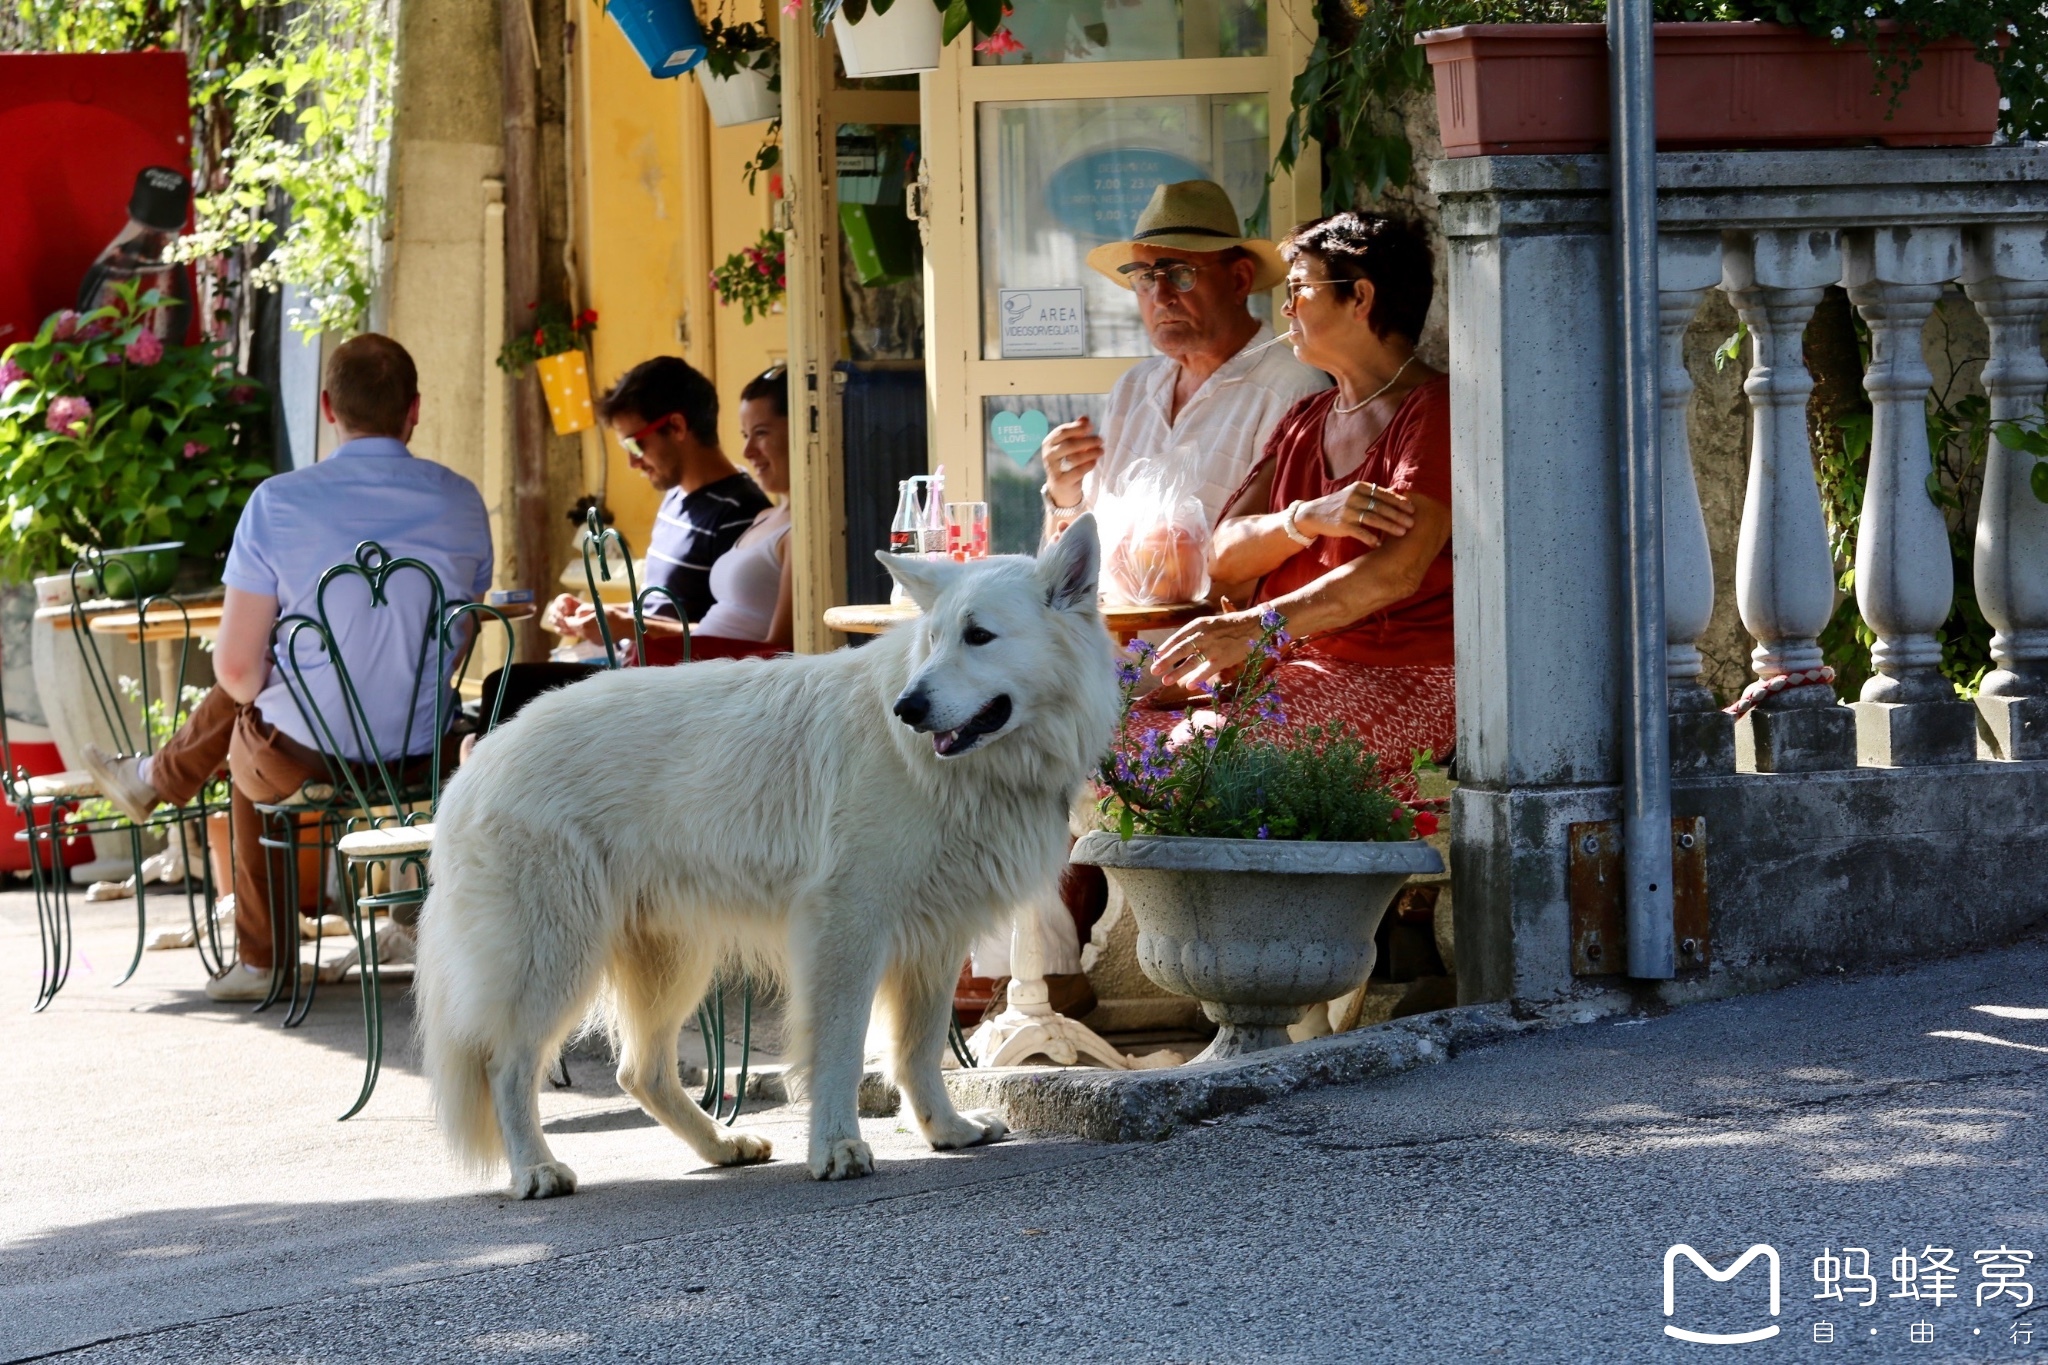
(1132, 31)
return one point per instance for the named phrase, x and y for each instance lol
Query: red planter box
(1524, 88)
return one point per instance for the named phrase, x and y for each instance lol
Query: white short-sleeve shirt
(1224, 425)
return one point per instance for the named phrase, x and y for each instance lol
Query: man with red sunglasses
(665, 413)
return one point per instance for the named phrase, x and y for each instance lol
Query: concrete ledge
(1142, 1106)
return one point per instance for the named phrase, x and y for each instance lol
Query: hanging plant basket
(1537, 88)
(665, 33)
(743, 97)
(905, 40)
(565, 379)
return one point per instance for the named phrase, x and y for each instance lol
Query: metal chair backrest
(597, 568)
(374, 771)
(94, 577)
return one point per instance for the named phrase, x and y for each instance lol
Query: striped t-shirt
(692, 530)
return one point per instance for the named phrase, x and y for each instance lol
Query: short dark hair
(1391, 252)
(772, 384)
(372, 383)
(663, 386)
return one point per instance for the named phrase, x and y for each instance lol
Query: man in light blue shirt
(295, 527)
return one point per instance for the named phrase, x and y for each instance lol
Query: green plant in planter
(554, 333)
(754, 277)
(110, 438)
(1241, 772)
(1365, 63)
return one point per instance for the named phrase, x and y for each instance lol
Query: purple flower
(67, 325)
(194, 449)
(1127, 674)
(69, 416)
(1264, 833)
(146, 349)
(1271, 618)
(1143, 649)
(10, 374)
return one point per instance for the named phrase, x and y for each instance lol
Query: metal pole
(1646, 770)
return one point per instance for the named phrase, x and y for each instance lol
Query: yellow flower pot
(565, 379)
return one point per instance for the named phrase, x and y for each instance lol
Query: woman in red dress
(1344, 527)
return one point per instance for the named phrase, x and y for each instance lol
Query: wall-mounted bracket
(1599, 926)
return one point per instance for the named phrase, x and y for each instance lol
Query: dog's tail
(454, 1057)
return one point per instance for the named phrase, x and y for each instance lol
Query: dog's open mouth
(988, 720)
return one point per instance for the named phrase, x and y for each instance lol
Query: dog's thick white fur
(621, 840)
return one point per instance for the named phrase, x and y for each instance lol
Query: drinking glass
(967, 530)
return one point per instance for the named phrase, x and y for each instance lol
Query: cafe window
(1037, 157)
(1132, 31)
(1061, 177)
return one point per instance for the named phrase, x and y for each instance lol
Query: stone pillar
(1784, 571)
(1905, 579)
(2005, 273)
(1702, 738)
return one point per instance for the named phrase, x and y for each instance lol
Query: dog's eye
(977, 635)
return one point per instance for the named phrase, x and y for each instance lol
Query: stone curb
(1141, 1106)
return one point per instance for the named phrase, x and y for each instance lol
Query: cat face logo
(1719, 1277)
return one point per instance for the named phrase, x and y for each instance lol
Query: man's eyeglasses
(631, 444)
(1147, 279)
(1295, 288)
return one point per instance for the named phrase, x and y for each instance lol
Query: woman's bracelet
(1295, 533)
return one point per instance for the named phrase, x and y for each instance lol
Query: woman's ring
(1065, 464)
(1373, 503)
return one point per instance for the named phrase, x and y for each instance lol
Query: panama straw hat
(1190, 215)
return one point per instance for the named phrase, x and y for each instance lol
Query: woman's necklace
(1346, 412)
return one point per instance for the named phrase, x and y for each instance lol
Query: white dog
(640, 830)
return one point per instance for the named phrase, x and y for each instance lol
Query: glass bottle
(156, 215)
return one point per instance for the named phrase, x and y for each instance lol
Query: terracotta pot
(565, 380)
(1529, 88)
(220, 857)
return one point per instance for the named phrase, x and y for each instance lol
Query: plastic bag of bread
(1155, 534)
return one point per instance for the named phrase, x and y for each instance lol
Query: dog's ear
(1069, 566)
(924, 579)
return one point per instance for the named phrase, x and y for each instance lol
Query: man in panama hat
(1216, 389)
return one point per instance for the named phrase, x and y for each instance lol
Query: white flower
(2004, 105)
(1836, 33)
(1870, 11)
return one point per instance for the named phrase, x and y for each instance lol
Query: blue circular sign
(1098, 196)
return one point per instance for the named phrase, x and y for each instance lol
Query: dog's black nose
(912, 707)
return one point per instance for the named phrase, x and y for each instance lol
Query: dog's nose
(912, 707)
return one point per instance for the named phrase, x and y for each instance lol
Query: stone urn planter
(1255, 930)
(1542, 88)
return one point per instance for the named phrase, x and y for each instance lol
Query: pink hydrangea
(10, 373)
(69, 416)
(194, 449)
(146, 349)
(67, 325)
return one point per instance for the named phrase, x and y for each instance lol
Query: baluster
(1702, 738)
(2005, 273)
(1784, 572)
(1905, 576)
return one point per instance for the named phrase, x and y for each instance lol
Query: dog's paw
(846, 1159)
(746, 1149)
(966, 1130)
(545, 1181)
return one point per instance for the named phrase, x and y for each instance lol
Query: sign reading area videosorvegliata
(1042, 322)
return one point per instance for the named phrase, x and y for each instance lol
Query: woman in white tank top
(750, 583)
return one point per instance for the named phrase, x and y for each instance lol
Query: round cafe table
(1124, 621)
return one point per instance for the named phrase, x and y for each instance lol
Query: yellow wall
(662, 199)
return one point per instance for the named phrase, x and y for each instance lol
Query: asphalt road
(182, 1193)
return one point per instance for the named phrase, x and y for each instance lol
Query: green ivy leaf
(2037, 479)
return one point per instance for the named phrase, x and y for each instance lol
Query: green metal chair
(50, 807)
(375, 810)
(711, 1020)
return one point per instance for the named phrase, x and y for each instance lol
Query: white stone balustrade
(1702, 739)
(1784, 570)
(1905, 579)
(2005, 273)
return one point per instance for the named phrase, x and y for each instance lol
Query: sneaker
(240, 983)
(120, 781)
